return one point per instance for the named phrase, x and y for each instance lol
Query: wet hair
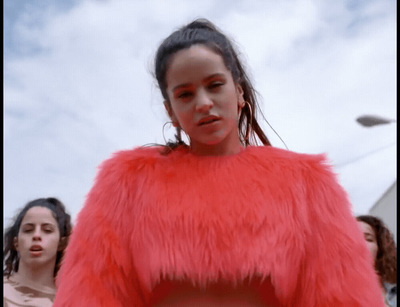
(386, 258)
(10, 254)
(201, 31)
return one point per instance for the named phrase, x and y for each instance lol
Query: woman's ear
(16, 243)
(240, 98)
(171, 114)
(62, 244)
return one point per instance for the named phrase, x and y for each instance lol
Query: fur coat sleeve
(265, 212)
(335, 268)
(98, 269)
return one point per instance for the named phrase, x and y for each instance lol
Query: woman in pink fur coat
(220, 221)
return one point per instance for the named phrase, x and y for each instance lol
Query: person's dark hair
(10, 254)
(386, 258)
(202, 31)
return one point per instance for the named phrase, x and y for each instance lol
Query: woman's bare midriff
(185, 294)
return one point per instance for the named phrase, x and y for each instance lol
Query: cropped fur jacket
(263, 212)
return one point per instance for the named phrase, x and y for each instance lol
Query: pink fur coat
(263, 212)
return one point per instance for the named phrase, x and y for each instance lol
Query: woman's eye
(184, 95)
(215, 85)
(369, 239)
(48, 229)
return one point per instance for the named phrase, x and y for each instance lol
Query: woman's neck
(225, 148)
(41, 275)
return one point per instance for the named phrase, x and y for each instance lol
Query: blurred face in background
(38, 238)
(370, 238)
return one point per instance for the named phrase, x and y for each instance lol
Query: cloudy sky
(78, 85)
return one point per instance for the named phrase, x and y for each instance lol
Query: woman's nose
(37, 234)
(203, 102)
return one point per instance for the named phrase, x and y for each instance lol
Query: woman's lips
(208, 120)
(36, 250)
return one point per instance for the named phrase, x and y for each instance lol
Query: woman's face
(370, 237)
(204, 99)
(38, 238)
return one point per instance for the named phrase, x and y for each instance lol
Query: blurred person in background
(384, 255)
(34, 245)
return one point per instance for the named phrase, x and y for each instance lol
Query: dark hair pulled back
(202, 31)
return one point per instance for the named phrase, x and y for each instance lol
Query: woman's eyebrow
(214, 76)
(180, 86)
(186, 85)
(42, 224)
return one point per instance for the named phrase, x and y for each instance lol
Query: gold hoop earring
(178, 135)
(163, 131)
(249, 121)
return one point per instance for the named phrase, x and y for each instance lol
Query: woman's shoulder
(17, 281)
(136, 156)
(141, 152)
(285, 156)
(290, 164)
(139, 159)
(18, 291)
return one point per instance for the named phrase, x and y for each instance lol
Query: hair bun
(201, 23)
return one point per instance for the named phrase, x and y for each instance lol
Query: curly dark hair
(10, 254)
(386, 258)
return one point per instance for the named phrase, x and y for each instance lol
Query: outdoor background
(78, 86)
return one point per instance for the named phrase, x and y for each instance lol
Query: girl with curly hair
(384, 254)
(33, 248)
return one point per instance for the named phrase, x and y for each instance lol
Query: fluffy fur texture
(263, 212)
